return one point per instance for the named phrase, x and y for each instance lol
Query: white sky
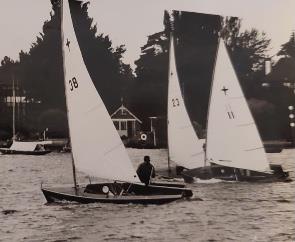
(129, 22)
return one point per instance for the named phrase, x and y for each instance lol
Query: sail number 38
(73, 83)
(175, 102)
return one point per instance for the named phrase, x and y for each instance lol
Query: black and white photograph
(134, 120)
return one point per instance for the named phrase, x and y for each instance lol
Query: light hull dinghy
(20, 152)
(234, 174)
(117, 193)
(26, 148)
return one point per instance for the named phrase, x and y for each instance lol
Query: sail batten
(232, 134)
(184, 146)
(96, 146)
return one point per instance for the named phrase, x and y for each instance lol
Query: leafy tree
(288, 49)
(40, 70)
(104, 62)
(195, 36)
(283, 74)
(248, 51)
(41, 67)
(196, 45)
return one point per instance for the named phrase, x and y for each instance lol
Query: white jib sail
(96, 146)
(185, 148)
(232, 136)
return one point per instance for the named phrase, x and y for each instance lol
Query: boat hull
(19, 152)
(234, 174)
(119, 193)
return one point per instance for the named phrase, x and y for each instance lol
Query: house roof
(123, 113)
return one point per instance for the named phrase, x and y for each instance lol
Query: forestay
(232, 136)
(185, 148)
(96, 146)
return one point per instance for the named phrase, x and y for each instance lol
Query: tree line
(40, 74)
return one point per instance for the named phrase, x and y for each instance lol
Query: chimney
(267, 66)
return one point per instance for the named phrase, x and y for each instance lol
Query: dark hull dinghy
(119, 193)
(234, 174)
(98, 149)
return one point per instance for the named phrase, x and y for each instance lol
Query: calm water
(229, 211)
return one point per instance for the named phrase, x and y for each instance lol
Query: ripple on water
(228, 212)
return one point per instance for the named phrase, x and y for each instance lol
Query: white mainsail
(232, 136)
(96, 146)
(185, 148)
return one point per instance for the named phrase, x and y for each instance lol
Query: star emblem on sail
(224, 89)
(68, 44)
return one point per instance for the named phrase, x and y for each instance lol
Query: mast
(169, 55)
(13, 108)
(64, 72)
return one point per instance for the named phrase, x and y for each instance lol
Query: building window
(116, 123)
(123, 125)
(123, 112)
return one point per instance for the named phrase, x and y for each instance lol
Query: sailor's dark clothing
(145, 171)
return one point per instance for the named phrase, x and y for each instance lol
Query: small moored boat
(26, 148)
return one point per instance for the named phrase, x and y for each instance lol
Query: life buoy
(143, 136)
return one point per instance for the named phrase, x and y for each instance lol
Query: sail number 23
(73, 83)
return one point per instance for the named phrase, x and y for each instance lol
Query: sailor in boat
(40, 147)
(146, 171)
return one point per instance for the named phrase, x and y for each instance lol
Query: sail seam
(185, 126)
(93, 108)
(226, 160)
(240, 97)
(258, 148)
(242, 125)
(112, 149)
(197, 154)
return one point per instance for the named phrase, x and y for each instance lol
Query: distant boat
(97, 150)
(185, 148)
(234, 150)
(26, 148)
(23, 147)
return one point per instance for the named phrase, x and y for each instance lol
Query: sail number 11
(73, 83)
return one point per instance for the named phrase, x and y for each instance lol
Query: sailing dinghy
(26, 148)
(97, 149)
(234, 150)
(23, 147)
(185, 148)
